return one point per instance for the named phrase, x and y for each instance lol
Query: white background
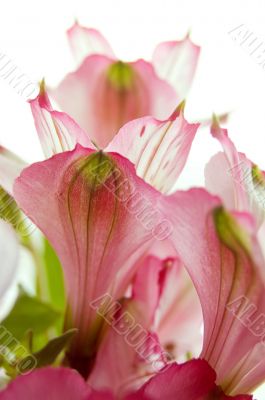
(32, 33)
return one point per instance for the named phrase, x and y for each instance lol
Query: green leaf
(54, 275)
(10, 212)
(48, 354)
(29, 314)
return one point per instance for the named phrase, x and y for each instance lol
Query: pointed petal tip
(42, 98)
(42, 91)
(73, 25)
(189, 38)
(42, 86)
(40, 94)
(215, 126)
(182, 105)
(179, 110)
(85, 41)
(188, 34)
(215, 120)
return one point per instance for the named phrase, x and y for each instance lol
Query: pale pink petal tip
(176, 62)
(57, 131)
(87, 41)
(158, 149)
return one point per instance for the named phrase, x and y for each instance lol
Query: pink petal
(176, 62)
(158, 149)
(146, 289)
(138, 350)
(98, 222)
(130, 348)
(161, 98)
(10, 168)
(194, 380)
(225, 263)
(57, 131)
(252, 368)
(8, 256)
(86, 41)
(180, 316)
(234, 159)
(109, 94)
(235, 178)
(56, 383)
(218, 180)
(86, 86)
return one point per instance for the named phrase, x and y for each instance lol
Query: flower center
(121, 76)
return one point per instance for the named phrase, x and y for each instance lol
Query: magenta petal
(57, 131)
(48, 383)
(86, 41)
(194, 380)
(158, 149)
(176, 62)
(101, 219)
(103, 396)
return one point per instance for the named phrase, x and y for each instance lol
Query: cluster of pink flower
(164, 287)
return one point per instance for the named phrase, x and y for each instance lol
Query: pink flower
(194, 380)
(111, 218)
(225, 262)
(236, 179)
(131, 337)
(93, 227)
(147, 143)
(179, 317)
(100, 223)
(165, 141)
(229, 277)
(158, 149)
(104, 93)
(136, 335)
(95, 230)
